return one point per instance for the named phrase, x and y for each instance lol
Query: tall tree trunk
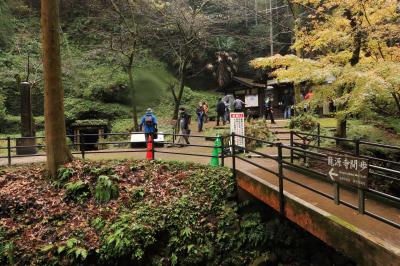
(132, 92)
(182, 74)
(341, 127)
(397, 100)
(57, 151)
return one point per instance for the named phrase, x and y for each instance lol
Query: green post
(215, 153)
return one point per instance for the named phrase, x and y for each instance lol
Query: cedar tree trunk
(57, 151)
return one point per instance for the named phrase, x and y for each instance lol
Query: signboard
(136, 138)
(251, 100)
(237, 127)
(348, 170)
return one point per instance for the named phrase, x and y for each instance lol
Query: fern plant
(63, 174)
(6, 249)
(105, 189)
(77, 191)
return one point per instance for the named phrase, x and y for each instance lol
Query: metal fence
(80, 147)
(297, 151)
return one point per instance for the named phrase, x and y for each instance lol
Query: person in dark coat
(184, 120)
(221, 111)
(268, 108)
(288, 101)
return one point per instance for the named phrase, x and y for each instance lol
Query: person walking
(221, 111)
(238, 105)
(205, 109)
(200, 117)
(149, 122)
(184, 121)
(287, 105)
(269, 108)
(227, 111)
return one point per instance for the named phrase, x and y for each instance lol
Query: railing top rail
(389, 146)
(256, 139)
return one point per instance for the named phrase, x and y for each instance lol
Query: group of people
(223, 110)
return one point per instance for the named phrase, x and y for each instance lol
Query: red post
(149, 154)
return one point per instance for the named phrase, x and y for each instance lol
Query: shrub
(77, 191)
(105, 189)
(305, 122)
(6, 249)
(63, 174)
(80, 109)
(257, 129)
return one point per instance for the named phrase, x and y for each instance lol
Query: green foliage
(105, 189)
(77, 191)
(2, 109)
(72, 250)
(80, 109)
(304, 122)
(190, 101)
(6, 249)
(98, 223)
(6, 25)
(63, 176)
(257, 129)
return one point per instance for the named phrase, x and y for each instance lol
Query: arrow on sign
(332, 174)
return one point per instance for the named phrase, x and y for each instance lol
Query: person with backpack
(149, 122)
(184, 121)
(221, 111)
(200, 116)
(238, 105)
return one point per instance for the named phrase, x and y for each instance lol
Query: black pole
(357, 147)
(82, 144)
(336, 193)
(305, 151)
(280, 169)
(152, 146)
(222, 152)
(9, 150)
(361, 201)
(291, 145)
(319, 134)
(233, 155)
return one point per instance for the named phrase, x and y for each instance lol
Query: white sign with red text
(237, 127)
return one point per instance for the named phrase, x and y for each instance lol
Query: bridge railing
(113, 142)
(287, 162)
(380, 168)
